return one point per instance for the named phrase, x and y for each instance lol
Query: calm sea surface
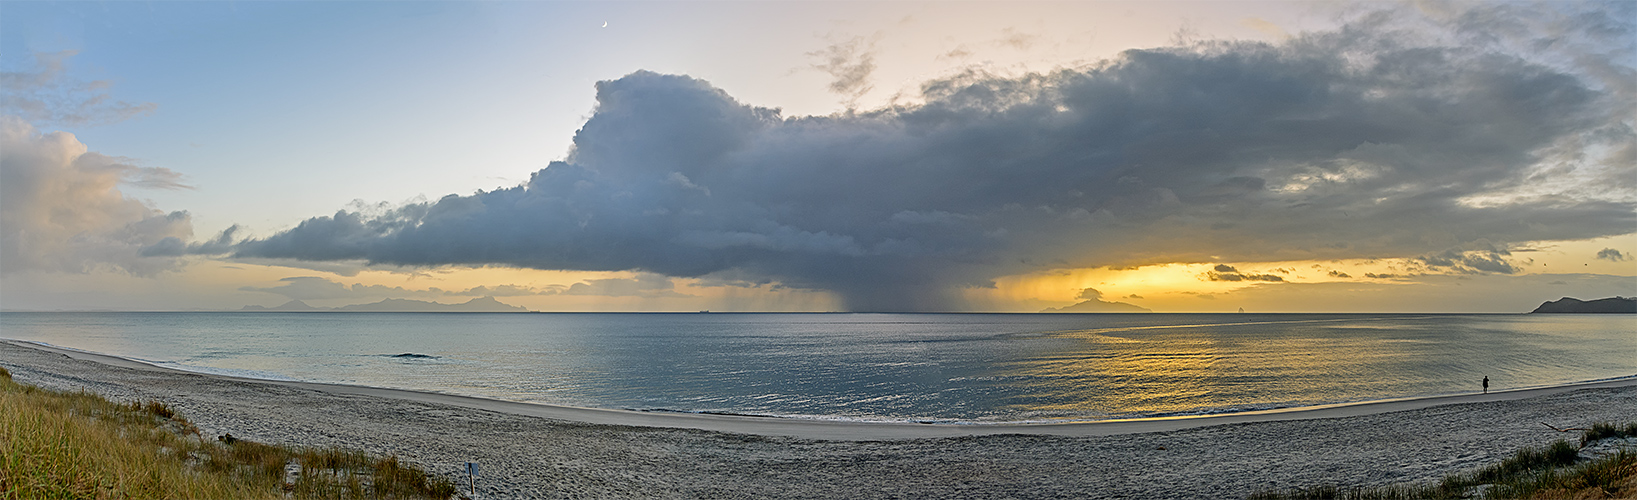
(895, 367)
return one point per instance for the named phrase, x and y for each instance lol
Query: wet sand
(541, 451)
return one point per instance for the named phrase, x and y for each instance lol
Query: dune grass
(79, 445)
(1546, 473)
(1603, 430)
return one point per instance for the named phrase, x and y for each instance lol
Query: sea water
(954, 368)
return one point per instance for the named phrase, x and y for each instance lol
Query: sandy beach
(540, 451)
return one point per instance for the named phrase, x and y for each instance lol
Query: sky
(1091, 156)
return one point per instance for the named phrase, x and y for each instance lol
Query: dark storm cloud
(316, 288)
(1487, 259)
(1364, 142)
(174, 247)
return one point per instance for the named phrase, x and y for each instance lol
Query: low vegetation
(1549, 473)
(1601, 431)
(79, 445)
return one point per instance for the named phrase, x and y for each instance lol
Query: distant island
(1094, 303)
(1611, 305)
(481, 304)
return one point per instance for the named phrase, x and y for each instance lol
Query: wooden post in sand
(471, 477)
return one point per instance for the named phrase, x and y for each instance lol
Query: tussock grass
(1547, 473)
(79, 445)
(1611, 477)
(1604, 430)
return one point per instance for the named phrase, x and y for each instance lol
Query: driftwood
(1564, 430)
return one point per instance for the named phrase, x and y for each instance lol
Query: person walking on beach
(1486, 384)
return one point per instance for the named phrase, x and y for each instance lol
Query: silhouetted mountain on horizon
(1092, 302)
(291, 306)
(1611, 305)
(480, 304)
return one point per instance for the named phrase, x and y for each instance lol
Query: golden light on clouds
(1206, 287)
(1287, 286)
(536, 290)
(1545, 271)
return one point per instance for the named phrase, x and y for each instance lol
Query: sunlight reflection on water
(937, 367)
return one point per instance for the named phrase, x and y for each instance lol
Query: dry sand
(540, 451)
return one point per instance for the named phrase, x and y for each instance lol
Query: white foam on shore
(172, 365)
(230, 372)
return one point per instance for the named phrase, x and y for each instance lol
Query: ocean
(945, 368)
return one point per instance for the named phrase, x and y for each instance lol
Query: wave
(228, 372)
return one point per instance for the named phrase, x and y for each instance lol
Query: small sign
(471, 468)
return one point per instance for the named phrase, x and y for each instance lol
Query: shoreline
(524, 455)
(848, 430)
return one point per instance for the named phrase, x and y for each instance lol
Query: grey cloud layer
(1349, 144)
(317, 288)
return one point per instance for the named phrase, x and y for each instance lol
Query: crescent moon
(605, 24)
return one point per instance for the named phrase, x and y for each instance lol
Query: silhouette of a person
(1486, 384)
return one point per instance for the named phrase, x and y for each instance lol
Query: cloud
(1485, 293)
(1486, 259)
(172, 246)
(1092, 302)
(61, 209)
(1224, 272)
(646, 285)
(1013, 38)
(850, 65)
(1215, 276)
(1338, 274)
(1611, 254)
(509, 291)
(44, 94)
(1392, 137)
(317, 288)
(1265, 26)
